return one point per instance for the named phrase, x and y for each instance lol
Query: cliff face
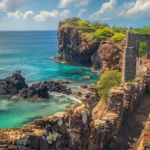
(112, 56)
(108, 57)
(84, 43)
(72, 48)
(99, 55)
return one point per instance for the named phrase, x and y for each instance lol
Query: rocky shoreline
(15, 86)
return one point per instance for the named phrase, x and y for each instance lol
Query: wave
(67, 96)
(2, 69)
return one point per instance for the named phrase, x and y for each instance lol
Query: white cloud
(28, 14)
(69, 3)
(18, 15)
(128, 10)
(82, 11)
(10, 5)
(45, 15)
(141, 9)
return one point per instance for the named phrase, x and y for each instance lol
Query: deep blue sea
(30, 52)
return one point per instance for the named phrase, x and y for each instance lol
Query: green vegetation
(118, 37)
(119, 30)
(145, 30)
(98, 25)
(142, 49)
(84, 23)
(103, 33)
(71, 21)
(109, 80)
(87, 30)
(88, 37)
(142, 45)
(95, 31)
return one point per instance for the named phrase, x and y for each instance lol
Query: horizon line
(26, 30)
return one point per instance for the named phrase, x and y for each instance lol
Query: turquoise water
(30, 52)
(15, 113)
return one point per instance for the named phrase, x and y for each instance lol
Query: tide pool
(15, 113)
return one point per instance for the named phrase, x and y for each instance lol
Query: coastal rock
(111, 56)
(96, 60)
(86, 77)
(11, 85)
(72, 48)
(15, 86)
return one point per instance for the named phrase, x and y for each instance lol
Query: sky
(46, 14)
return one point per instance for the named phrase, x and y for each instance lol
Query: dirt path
(132, 128)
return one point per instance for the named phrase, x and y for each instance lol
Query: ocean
(31, 52)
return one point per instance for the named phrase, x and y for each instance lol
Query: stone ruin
(131, 54)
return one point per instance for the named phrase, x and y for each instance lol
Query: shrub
(87, 29)
(118, 37)
(87, 37)
(103, 33)
(72, 21)
(83, 23)
(142, 49)
(145, 30)
(119, 30)
(109, 80)
(98, 25)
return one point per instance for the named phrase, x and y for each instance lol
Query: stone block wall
(131, 53)
(74, 129)
(122, 103)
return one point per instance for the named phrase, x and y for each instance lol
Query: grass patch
(145, 30)
(96, 30)
(142, 49)
(109, 80)
(103, 33)
(84, 23)
(119, 30)
(118, 37)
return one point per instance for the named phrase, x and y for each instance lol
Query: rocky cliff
(72, 48)
(80, 45)
(111, 56)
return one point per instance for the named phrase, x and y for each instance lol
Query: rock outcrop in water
(40, 90)
(11, 85)
(16, 86)
(79, 45)
(72, 48)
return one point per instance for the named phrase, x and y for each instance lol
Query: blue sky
(45, 14)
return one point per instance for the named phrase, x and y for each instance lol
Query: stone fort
(131, 53)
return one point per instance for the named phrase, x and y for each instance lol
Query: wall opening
(142, 49)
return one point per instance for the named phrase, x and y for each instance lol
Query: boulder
(16, 86)
(11, 85)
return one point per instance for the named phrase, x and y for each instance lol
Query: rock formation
(16, 86)
(72, 48)
(111, 56)
(11, 85)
